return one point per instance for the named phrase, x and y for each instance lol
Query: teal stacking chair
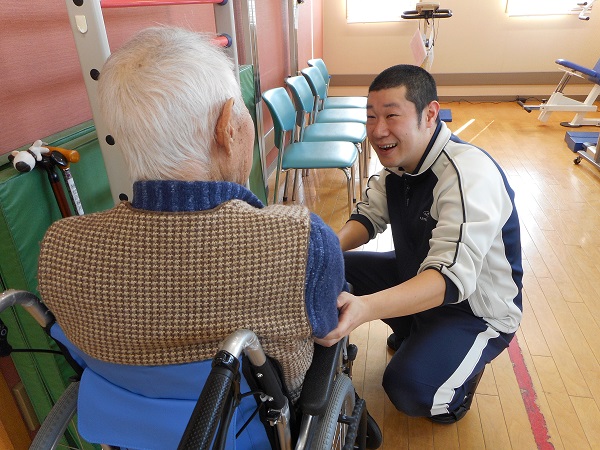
(305, 155)
(320, 114)
(318, 132)
(336, 102)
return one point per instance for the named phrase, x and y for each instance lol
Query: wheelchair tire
(374, 436)
(53, 433)
(331, 433)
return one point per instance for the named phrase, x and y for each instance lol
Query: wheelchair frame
(329, 407)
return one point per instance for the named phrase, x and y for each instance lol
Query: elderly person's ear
(224, 130)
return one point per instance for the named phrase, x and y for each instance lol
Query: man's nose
(379, 128)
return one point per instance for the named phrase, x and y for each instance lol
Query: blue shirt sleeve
(324, 277)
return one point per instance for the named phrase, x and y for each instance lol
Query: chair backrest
(315, 80)
(320, 64)
(303, 99)
(303, 95)
(282, 111)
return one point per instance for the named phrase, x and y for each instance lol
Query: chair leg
(361, 169)
(349, 174)
(367, 157)
(353, 183)
(276, 188)
(285, 187)
(295, 188)
(364, 145)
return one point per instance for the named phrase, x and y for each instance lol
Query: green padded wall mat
(257, 179)
(27, 208)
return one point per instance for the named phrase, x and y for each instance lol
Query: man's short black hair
(420, 85)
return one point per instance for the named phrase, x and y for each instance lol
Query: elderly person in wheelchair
(157, 285)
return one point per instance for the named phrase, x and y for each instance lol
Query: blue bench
(558, 101)
(585, 145)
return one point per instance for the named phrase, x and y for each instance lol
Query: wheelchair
(328, 415)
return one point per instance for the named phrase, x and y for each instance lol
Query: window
(358, 11)
(542, 7)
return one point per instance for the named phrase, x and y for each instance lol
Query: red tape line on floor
(536, 418)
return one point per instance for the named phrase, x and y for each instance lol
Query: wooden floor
(545, 391)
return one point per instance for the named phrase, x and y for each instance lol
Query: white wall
(479, 39)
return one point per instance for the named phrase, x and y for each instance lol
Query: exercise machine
(427, 13)
(585, 145)
(423, 41)
(586, 8)
(558, 101)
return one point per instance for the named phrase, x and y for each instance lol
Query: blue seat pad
(316, 155)
(343, 131)
(592, 75)
(345, 102)
(148, 407)
(342, 115)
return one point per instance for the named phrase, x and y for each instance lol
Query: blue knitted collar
(173, 196)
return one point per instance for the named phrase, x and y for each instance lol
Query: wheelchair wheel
(59, 431)
(330, 432)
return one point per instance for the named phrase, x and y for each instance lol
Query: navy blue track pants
(443, 349)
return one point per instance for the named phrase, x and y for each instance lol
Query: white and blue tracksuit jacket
(455, 214)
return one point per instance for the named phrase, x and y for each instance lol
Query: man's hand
(353, 312)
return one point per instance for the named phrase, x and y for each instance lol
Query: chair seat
(314, 155)
(345, 102)
(350, 131)
(342, 115)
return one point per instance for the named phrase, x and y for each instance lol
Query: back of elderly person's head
(161, 94)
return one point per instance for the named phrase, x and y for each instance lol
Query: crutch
(47, 163)
(61, 157)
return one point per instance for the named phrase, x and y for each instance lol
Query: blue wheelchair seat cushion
(148, 407)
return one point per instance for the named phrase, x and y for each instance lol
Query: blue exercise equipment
(585, 145)
(558, 101)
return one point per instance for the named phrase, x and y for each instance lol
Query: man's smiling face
(396, 132)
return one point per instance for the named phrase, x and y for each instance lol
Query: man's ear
(433, 110)
(224, 128)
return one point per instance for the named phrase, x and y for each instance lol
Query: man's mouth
(386, 147)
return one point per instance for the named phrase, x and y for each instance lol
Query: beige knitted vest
(152, 288)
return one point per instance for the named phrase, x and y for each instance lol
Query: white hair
(161, 95)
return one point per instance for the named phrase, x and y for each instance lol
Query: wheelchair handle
(28, 301)
(244, 341)
(201, 428)
(247, 342)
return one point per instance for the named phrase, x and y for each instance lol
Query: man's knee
(407, 394)
(370, 272)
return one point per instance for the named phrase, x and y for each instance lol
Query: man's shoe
(455, 416)
(394, 341)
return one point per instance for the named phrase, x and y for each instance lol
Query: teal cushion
(317, 155)
(350, 131)
(345, 102)
(342, 115)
